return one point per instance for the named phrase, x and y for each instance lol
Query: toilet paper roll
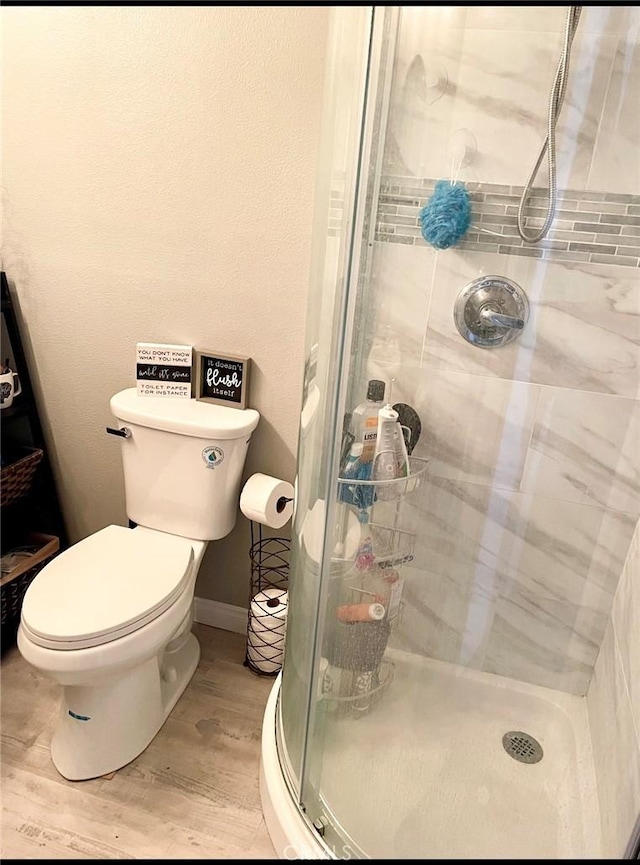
(264, 662)
(269, 608)
(267, 500)
(260, 641)
(267, 627)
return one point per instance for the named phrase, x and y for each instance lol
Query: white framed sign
(164, 370)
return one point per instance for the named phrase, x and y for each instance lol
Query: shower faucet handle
(498, 319)
(491, 311)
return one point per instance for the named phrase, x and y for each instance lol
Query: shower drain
(521, 746)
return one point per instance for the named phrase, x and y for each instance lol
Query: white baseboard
(219, 615)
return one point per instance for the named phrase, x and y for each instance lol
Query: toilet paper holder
(282, 502)
(267, 500)
(269, 558)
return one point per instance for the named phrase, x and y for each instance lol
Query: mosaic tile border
(595, 227)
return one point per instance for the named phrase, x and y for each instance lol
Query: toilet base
(104, 727)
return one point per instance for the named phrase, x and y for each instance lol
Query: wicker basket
(17, 477)
(14, 584)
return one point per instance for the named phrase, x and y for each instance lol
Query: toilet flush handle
(124, 433)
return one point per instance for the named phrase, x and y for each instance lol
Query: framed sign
(222, 379)
(163, 370)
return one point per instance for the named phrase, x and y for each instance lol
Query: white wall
(158, 172)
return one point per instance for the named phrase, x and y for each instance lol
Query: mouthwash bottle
(365, 421)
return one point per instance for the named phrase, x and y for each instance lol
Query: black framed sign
(222, 379)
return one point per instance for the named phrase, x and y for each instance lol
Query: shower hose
(549, 147)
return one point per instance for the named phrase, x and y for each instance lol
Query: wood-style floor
(192, 794)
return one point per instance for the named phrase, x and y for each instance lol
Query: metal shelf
(365, 493)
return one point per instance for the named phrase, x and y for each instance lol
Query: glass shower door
(324, 527)
(333, 248)
(469, 718)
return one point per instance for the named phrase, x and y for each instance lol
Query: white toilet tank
(183, 462)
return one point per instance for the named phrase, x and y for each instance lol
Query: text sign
(153, 372)
(163, 370)
(222, 379)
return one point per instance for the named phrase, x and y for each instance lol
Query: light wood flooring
(192, 794)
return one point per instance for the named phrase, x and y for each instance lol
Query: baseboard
(219, 615)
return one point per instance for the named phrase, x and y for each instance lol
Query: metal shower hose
(555, 104)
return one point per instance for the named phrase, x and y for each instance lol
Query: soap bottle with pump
(391, 460)
(385, 463)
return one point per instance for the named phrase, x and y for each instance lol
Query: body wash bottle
(385, 463)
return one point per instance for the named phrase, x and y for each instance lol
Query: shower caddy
(357, 673)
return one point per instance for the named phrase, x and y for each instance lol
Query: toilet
(110, 618)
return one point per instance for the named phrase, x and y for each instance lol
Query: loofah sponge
(446, 217)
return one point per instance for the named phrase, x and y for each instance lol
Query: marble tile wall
(533, 488)
(524, 522)
(613, 702)
(472, 84)
(589, 226)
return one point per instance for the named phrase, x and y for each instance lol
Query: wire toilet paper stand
(267, 620)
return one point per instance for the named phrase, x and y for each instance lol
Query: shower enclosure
(493, 708)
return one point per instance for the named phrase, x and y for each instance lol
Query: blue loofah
(446, 217)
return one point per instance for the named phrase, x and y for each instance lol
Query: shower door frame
(375, 105)
(357, 241)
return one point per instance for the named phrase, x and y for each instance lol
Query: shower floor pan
(426, 774)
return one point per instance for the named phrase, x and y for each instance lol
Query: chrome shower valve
(491, 311)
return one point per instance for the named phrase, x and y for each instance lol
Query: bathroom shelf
(391, 548)
(363, 493)
(14, 412)
(360, 704)
(17, 562)
(18, 569)
(371, 573)
(31, 514)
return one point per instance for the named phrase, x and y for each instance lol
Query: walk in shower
(462, 667)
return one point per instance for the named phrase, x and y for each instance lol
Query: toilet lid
(105, 586)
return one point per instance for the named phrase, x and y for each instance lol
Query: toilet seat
(105, 586)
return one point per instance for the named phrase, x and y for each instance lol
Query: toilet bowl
(110, 618)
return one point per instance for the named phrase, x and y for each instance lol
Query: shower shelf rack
(372, 491)
(392, 545)
(344, 705)
(392, 548)
(373, 572)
